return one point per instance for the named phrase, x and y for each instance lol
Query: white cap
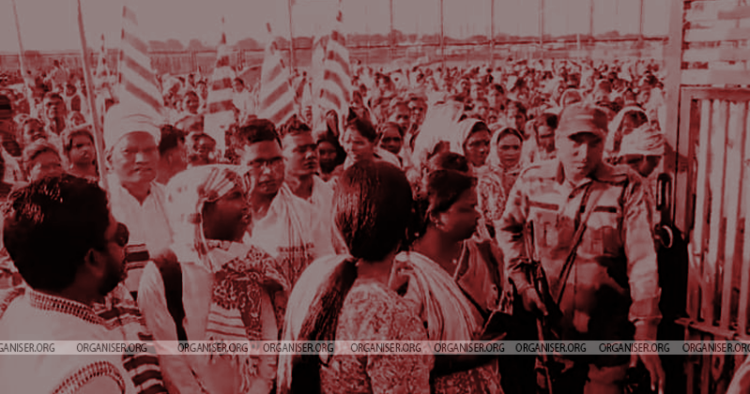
(120, 122)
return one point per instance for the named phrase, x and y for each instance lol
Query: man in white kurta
(131, 141)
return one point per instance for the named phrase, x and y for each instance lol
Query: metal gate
(713, 193)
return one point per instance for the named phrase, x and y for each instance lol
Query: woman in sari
(505, 160)
(360, 143)
(350, 297)
(627, 120)
(228, 287)
(455, 281)
(473, 141)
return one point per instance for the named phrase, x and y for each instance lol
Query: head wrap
(614, 129)
(458, 139)
(494, 159)
(645, 140)
(237, 311)
(440, 125)
(120, 121)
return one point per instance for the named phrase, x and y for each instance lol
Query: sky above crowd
(52, 24)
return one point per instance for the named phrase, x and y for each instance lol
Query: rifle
(540, 285)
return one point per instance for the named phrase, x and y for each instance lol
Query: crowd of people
(443, 199)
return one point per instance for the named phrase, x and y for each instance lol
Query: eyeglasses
(274, 164)
(122, 235)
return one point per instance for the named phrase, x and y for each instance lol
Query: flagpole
(98, 132)
(21, 58)
(291, 40)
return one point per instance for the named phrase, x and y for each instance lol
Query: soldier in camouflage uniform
(611, 291)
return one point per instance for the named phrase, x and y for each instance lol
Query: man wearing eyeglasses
(69, 249)
(282, 222)
(131, 142)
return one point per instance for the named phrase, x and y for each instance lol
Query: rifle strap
(588, 203)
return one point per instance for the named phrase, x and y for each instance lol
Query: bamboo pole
(442, 35)
(392, 41)
(98, 133)
(492, 34)
(541, 24)
(22, 61)
(291, 40)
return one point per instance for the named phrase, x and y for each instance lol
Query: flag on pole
(317, 73)
(276, 99)
(101, 66)
(139, 91)
(219, 108)
(335, 88)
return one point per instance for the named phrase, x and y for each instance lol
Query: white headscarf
(615, 124)
(441, 122)
(645, 140)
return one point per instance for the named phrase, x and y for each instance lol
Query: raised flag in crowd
(276, 99)
(139, 90)
(334, 92)
(220, 109)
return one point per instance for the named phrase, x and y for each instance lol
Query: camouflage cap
(582, 118)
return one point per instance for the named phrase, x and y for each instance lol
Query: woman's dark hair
(170, 139)
(50, 226)
(372, 210)
(479, 126)
(70, 135)
(546, 119)
(442, 189)
(448, 161)
(364, 128)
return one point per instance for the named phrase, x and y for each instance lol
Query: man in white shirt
(242, 98)
(131, 140)
(69, 250)
(301, 156)
(281, 220)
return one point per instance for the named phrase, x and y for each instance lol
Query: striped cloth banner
(334, 89)
(276, 101)
(219, 108)
(138, 85)
(101, 65)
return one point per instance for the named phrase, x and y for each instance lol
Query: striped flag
(276, 101)
(334, 89)
(219, 108)
(139, 90)
(101, 67)
(317, 73)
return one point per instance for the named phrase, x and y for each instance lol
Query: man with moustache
(69, 249)
(131, 141)
(55, 114)
(585, 225)
(301, 155)
(281, 220)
